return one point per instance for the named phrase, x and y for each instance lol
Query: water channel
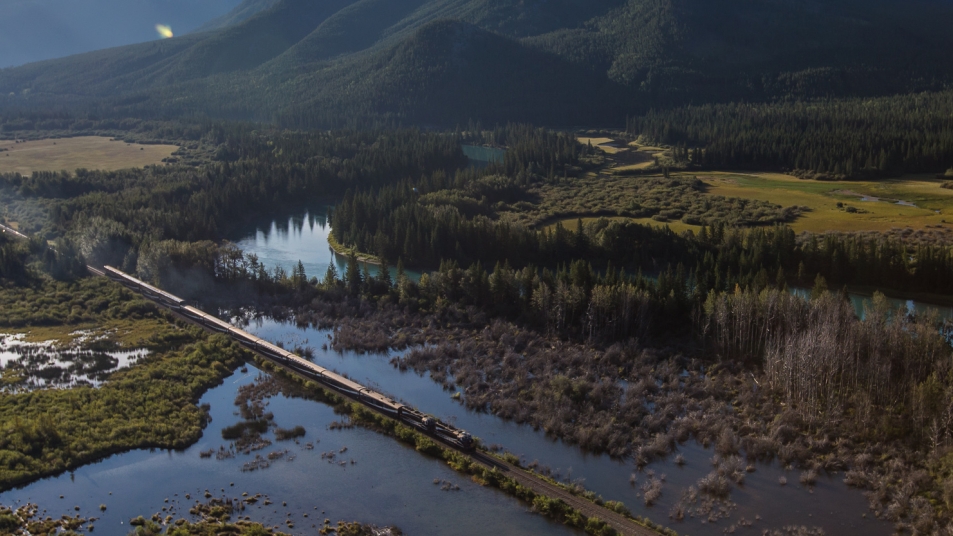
(830, 504)
(391, 484)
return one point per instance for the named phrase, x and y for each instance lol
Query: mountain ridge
(638, 53)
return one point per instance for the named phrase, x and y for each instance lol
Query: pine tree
(820, 287)
(400, 270)
(384, 275)
(331, 276)
(298, 276)
(352, 276)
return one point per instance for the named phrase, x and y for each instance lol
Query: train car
(410, 416)
(434, 427)
(170, 300)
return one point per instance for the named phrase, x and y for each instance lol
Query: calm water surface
(390, 483)
(482, 156)
(830, 504)
(300, 237)
(304, 236)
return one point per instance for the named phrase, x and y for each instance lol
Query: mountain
(560, 62)
(33, 30)
(765, 48)
(242, 12)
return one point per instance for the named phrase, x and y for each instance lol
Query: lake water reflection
(300, 237)
(304, 236)
(389, 484)
(830, 504)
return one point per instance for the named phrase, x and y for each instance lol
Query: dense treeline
(12, 261)
(19, 258)
(837, 139)
(883, 376)
(441, 218)
(111, 214)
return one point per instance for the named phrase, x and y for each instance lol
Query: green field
(825, 205)
(933, 204)
(677, 226)
(88, 152)
(679, 200)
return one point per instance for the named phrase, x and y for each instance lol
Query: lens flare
(164, 31)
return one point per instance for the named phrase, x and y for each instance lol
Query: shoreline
(364, 258)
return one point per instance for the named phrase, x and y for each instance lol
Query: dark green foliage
(149, 405)
(713, 50)
(159, 221)
(50, 303)
(12, 261)
(347, 62)
(236, 431)
(828, 139)
(284, 434)
(663, 199)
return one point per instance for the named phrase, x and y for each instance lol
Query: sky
(33, 30)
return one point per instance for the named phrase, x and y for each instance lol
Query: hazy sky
(32, 30)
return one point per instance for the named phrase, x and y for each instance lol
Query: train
(427, 424)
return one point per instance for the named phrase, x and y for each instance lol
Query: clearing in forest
(606, 145)
(916, 202)
(88, 152)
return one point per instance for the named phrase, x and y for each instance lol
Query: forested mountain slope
(241, 13)
(325, 62)
(764, 48)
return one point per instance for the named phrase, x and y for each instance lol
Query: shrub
(282, 434)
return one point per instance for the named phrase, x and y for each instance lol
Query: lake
(830, 504)
(304, 236)
(301, 237)
(481, 157)
(389, 483)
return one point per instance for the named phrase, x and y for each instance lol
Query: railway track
(448, 435)
(622, 524)
(10, 231)
(451, 437)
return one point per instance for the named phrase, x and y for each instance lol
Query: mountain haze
(33, 30)
(241, 13)
(326, 62)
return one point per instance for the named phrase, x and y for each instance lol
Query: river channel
(830, 504)
(388, 484)
(391, 484)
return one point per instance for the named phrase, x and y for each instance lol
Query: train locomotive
(406, 414)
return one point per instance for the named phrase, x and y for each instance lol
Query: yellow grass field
(677, 226)
(89, 152)
(641, 165)
(879, 212)
(865, 205)
(600, 143)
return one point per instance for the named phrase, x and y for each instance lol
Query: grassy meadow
(916, 202)
(846, 206)
(933, 205)
(677, 226)
(88, 152)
